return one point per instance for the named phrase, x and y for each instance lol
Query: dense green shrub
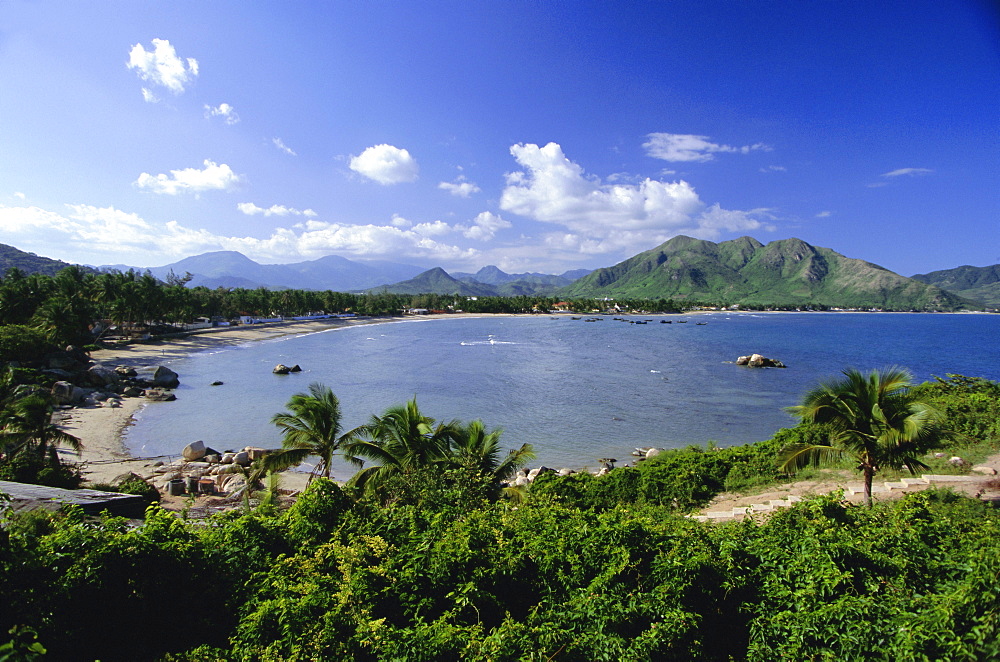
(971, 406)
(681, 479)
(586, 569)
(48, 471)
(23, 344)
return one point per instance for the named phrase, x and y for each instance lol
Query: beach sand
(100, 429)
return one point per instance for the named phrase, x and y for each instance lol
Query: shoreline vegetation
(102, 429)
(429, 561)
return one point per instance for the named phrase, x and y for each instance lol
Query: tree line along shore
(435, 551)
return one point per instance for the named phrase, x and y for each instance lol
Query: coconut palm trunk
(874, 418)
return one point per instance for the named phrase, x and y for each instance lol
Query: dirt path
(835, 480)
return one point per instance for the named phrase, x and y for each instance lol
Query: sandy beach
(105, 457)
(100, 429)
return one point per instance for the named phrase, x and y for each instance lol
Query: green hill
(788, 272)
(980, 284)
(30, 263)
(436, 281)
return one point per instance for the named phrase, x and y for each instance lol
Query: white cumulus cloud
(213, 176)
(687, 147)
(250, 209)
(223, 110)
(161, 66)
(610, 217)
(107, 235)
(432, 228)
(485, 226)
(460, 188)
(386, 164)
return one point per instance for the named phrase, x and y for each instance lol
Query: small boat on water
(666, 322)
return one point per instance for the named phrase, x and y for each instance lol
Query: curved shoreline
(101, 429)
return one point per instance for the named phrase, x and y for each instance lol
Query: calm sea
(576, 390)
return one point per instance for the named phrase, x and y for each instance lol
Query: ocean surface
(576, 390)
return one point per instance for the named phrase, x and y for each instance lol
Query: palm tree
(26, 426)
(476, 449)
(400, 442)
(311, 428)
(875, 419)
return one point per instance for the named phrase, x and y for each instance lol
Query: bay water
(576, 390)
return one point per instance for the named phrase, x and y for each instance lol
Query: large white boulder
(194, 451)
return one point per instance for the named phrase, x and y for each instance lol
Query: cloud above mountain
(608, 217)
(386, 165)
(213, 176)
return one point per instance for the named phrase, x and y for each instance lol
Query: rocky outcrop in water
(758, 361)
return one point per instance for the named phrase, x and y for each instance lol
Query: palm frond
(799, 456)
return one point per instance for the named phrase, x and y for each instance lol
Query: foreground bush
(332, 579)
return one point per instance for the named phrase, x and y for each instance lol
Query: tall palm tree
(478, 450)
(311, 428)
(399, 442)
(26, 426)
(875, 419)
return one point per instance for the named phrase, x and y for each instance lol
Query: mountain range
(745, 271)
(976, 283)
(231, 269)
(30, 263)
(784, 272)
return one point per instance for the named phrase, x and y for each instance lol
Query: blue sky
(537, 136)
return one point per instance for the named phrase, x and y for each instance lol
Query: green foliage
(680, 479)
(971, 406)
(23, 344)
(39, 470)
(913, 579)
(586, 569)
(876, 419)
(22, 647)
(317, 513)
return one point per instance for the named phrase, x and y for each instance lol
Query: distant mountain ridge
(784, 272)
(980, 284)
(30, 263)
(787, 272)
(233, 269)
(488, 281)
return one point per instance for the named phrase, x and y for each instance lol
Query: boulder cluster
(282, 369)
(101, 385)
(526, 476)
(204, 470)
(81, 382)
(758, 361)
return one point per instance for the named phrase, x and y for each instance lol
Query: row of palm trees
(401, 444)
(875, 418)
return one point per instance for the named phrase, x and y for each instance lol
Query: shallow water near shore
(576, 390)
